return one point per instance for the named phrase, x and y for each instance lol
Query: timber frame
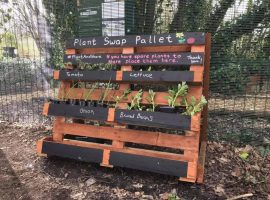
(187, 166)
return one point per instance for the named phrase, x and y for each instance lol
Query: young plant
(118, 99)
(194, 107)
(64, 96)
(105, 93)
(89, 93)
(151, 100)
(136, 101)
(174, 93)
(70, 91)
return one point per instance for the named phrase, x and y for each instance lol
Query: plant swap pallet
(151, 119)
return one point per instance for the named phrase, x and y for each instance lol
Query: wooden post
(206, 83)
(117, 143)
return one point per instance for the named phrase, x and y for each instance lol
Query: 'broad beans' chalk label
(153, 119)
(195, 38)
(139, 59)
(140, 116)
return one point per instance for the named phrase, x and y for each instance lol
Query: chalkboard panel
(76, 111)
(87, 75)
(137, 40)
(157, 165)
(138, 59)
(158, 76)
(133, 76)
(72, 152)
(153, 119)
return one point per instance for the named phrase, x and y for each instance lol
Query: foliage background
(240, 60)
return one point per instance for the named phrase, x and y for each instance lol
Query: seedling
(65, 97)
(136, 101)
(122, 97)
(151, 100)
(174, 93)
(89, 93)
(194, 107)
(105, 93)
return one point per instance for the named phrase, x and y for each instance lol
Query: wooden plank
(56, 74)
(206, 82)
(129, 135)
(196, 122)
(106, 158)
(201, 163)
(135, 151)
(46, 108)
(71, 51)
(79, 93)
(117, 143)
(39, 146)
(203, 138)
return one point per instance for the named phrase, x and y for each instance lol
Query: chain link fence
(33, 34)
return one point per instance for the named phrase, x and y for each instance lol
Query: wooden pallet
(182, 155)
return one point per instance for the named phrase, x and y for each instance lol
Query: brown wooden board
(137, 40)
(185, 58)
(131, 135)
(133, 76)
(80, 93)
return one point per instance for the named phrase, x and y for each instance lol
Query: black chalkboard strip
(132, 117)
(134, 76)
(174, 59)
(145, 163)
(76, 111)
(120, 159)
(85, 75)
(153, 119)
(73, 152)
(170, 39)
(158, 76)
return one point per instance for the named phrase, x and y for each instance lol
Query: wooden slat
(71, 51)
(143, 152)
(46, 108)
(79, 93)
(106, 158)
(129, 135)
(206, 80)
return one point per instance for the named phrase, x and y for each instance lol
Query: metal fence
(33, 33)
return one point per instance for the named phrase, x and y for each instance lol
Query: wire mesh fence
(32, 42)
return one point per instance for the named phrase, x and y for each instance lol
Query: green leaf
(244, 155)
